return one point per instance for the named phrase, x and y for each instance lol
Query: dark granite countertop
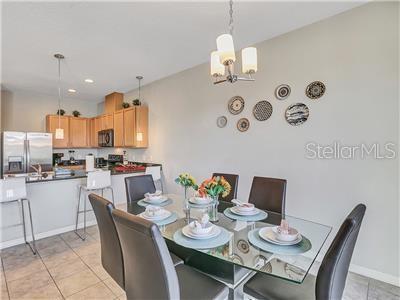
(76, 174)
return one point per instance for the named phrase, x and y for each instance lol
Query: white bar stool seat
(14, 190)
(155, 172)
(96, 181)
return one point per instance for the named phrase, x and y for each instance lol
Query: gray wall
(356, 55)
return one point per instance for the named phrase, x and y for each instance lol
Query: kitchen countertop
(76, 174)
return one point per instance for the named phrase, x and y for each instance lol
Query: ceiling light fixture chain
(231, 17)
(59, 131)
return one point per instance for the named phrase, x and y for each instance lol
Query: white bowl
(245, 207)
(201, 230)
(291, 236)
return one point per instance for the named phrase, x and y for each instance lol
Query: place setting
(202, 234)
(244, 211)
(281, 239)
(158, 215)
(199, 201)
(156, 199)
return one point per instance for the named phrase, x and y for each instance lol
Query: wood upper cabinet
(142, 127)
(129, 127)
(78, 132)
(119, 128)
(113, 102)
(52, 125)
(107, 121)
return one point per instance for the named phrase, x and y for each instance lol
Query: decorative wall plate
(315, 90)
(236, 105)
(297, 114)
(243, 124)
(282, 91)
(221, 121)
(262, 110)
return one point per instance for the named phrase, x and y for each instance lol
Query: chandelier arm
(245, 79)
(220, 81)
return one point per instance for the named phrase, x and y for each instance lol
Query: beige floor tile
(74, 241)
(97, 291)
(77, 282)
(56, 248)
(67, 269)
(92, 259)
(3, 287)
(19, 250)
(88, 249)
(115, 288)
(355, 289)
(47, 242)
(100, 272)
(92, 230)
(24, 270)
(17, 261)
(123, 297)
(385, 286)
(378, 293)
(46, 292)
(18, 288)
(53, 261)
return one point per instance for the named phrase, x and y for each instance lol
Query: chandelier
(224, 58)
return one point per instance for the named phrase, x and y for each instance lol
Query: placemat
(223, 238)
(257, 241)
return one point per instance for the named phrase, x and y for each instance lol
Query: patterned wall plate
(315, 90)
(243, 124)
(297, 114)
(282, 91)
(221, 121)
(262, 110)
(236, 105)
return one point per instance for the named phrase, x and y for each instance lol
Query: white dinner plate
(194, 201)
(244, 213)
(163, 216)
(269, 235)
(188, 232)
(156, 201)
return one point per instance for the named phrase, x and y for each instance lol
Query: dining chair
(111, 252)
(331, 278)
(13, 190)
(96, 181)
(268, 194)
(155, 172)
(137, 186)
(149, 270)
(233, 180)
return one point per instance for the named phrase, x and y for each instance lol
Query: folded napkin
(153, 211)
(155, 194)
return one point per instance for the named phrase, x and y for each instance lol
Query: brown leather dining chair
(137, 186)
(149, 270)
(268, 194)
(233, 180)
(331, 278)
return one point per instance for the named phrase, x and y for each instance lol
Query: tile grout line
(5, 279)
(102, 281)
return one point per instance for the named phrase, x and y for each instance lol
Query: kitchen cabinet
(136, 121)
(113, 102)
(52, 124)
(107, 121)
(129, 127)
(97, 123)
(78, 132)
(119, 128)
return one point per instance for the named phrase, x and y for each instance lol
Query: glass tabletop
(243, 245)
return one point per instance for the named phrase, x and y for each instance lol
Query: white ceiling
(113, 42)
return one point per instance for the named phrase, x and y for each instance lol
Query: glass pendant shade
(225, 48)
(249, 60)
(59, 133)
(217, 69)
(139, 136)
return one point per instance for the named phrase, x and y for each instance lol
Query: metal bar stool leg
(33, 246)
(83, 237)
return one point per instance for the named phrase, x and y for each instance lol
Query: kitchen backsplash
(133, 154)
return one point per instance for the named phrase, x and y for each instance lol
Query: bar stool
(96, 181)
(155, 172)
(14, 190)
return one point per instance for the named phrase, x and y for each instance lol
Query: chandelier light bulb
(249, 60)
(226, 49)
(217, 69)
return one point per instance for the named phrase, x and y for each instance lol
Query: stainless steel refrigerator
(22, 150)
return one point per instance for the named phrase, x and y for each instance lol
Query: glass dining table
(243, 252)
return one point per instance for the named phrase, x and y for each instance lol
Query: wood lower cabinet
(78, 132)
(52, 124)
(119, 128)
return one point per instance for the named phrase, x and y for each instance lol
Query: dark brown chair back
(111, 252)
(233, 180)
(137, 186)
(332, 274)
(268, 194)
(149, 271)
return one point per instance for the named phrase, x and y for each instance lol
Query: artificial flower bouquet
(214, 186)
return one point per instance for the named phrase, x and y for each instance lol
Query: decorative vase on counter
(213, 212)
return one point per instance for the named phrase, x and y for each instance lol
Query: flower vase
(213, 214)
(186, 207)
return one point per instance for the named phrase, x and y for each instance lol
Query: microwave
(106, 138)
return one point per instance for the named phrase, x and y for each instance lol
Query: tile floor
(68, 268)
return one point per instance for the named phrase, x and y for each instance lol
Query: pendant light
(224, 57)
(59, 131)
(139, 133)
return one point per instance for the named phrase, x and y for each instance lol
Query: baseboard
(375, 274)
(42, 235)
